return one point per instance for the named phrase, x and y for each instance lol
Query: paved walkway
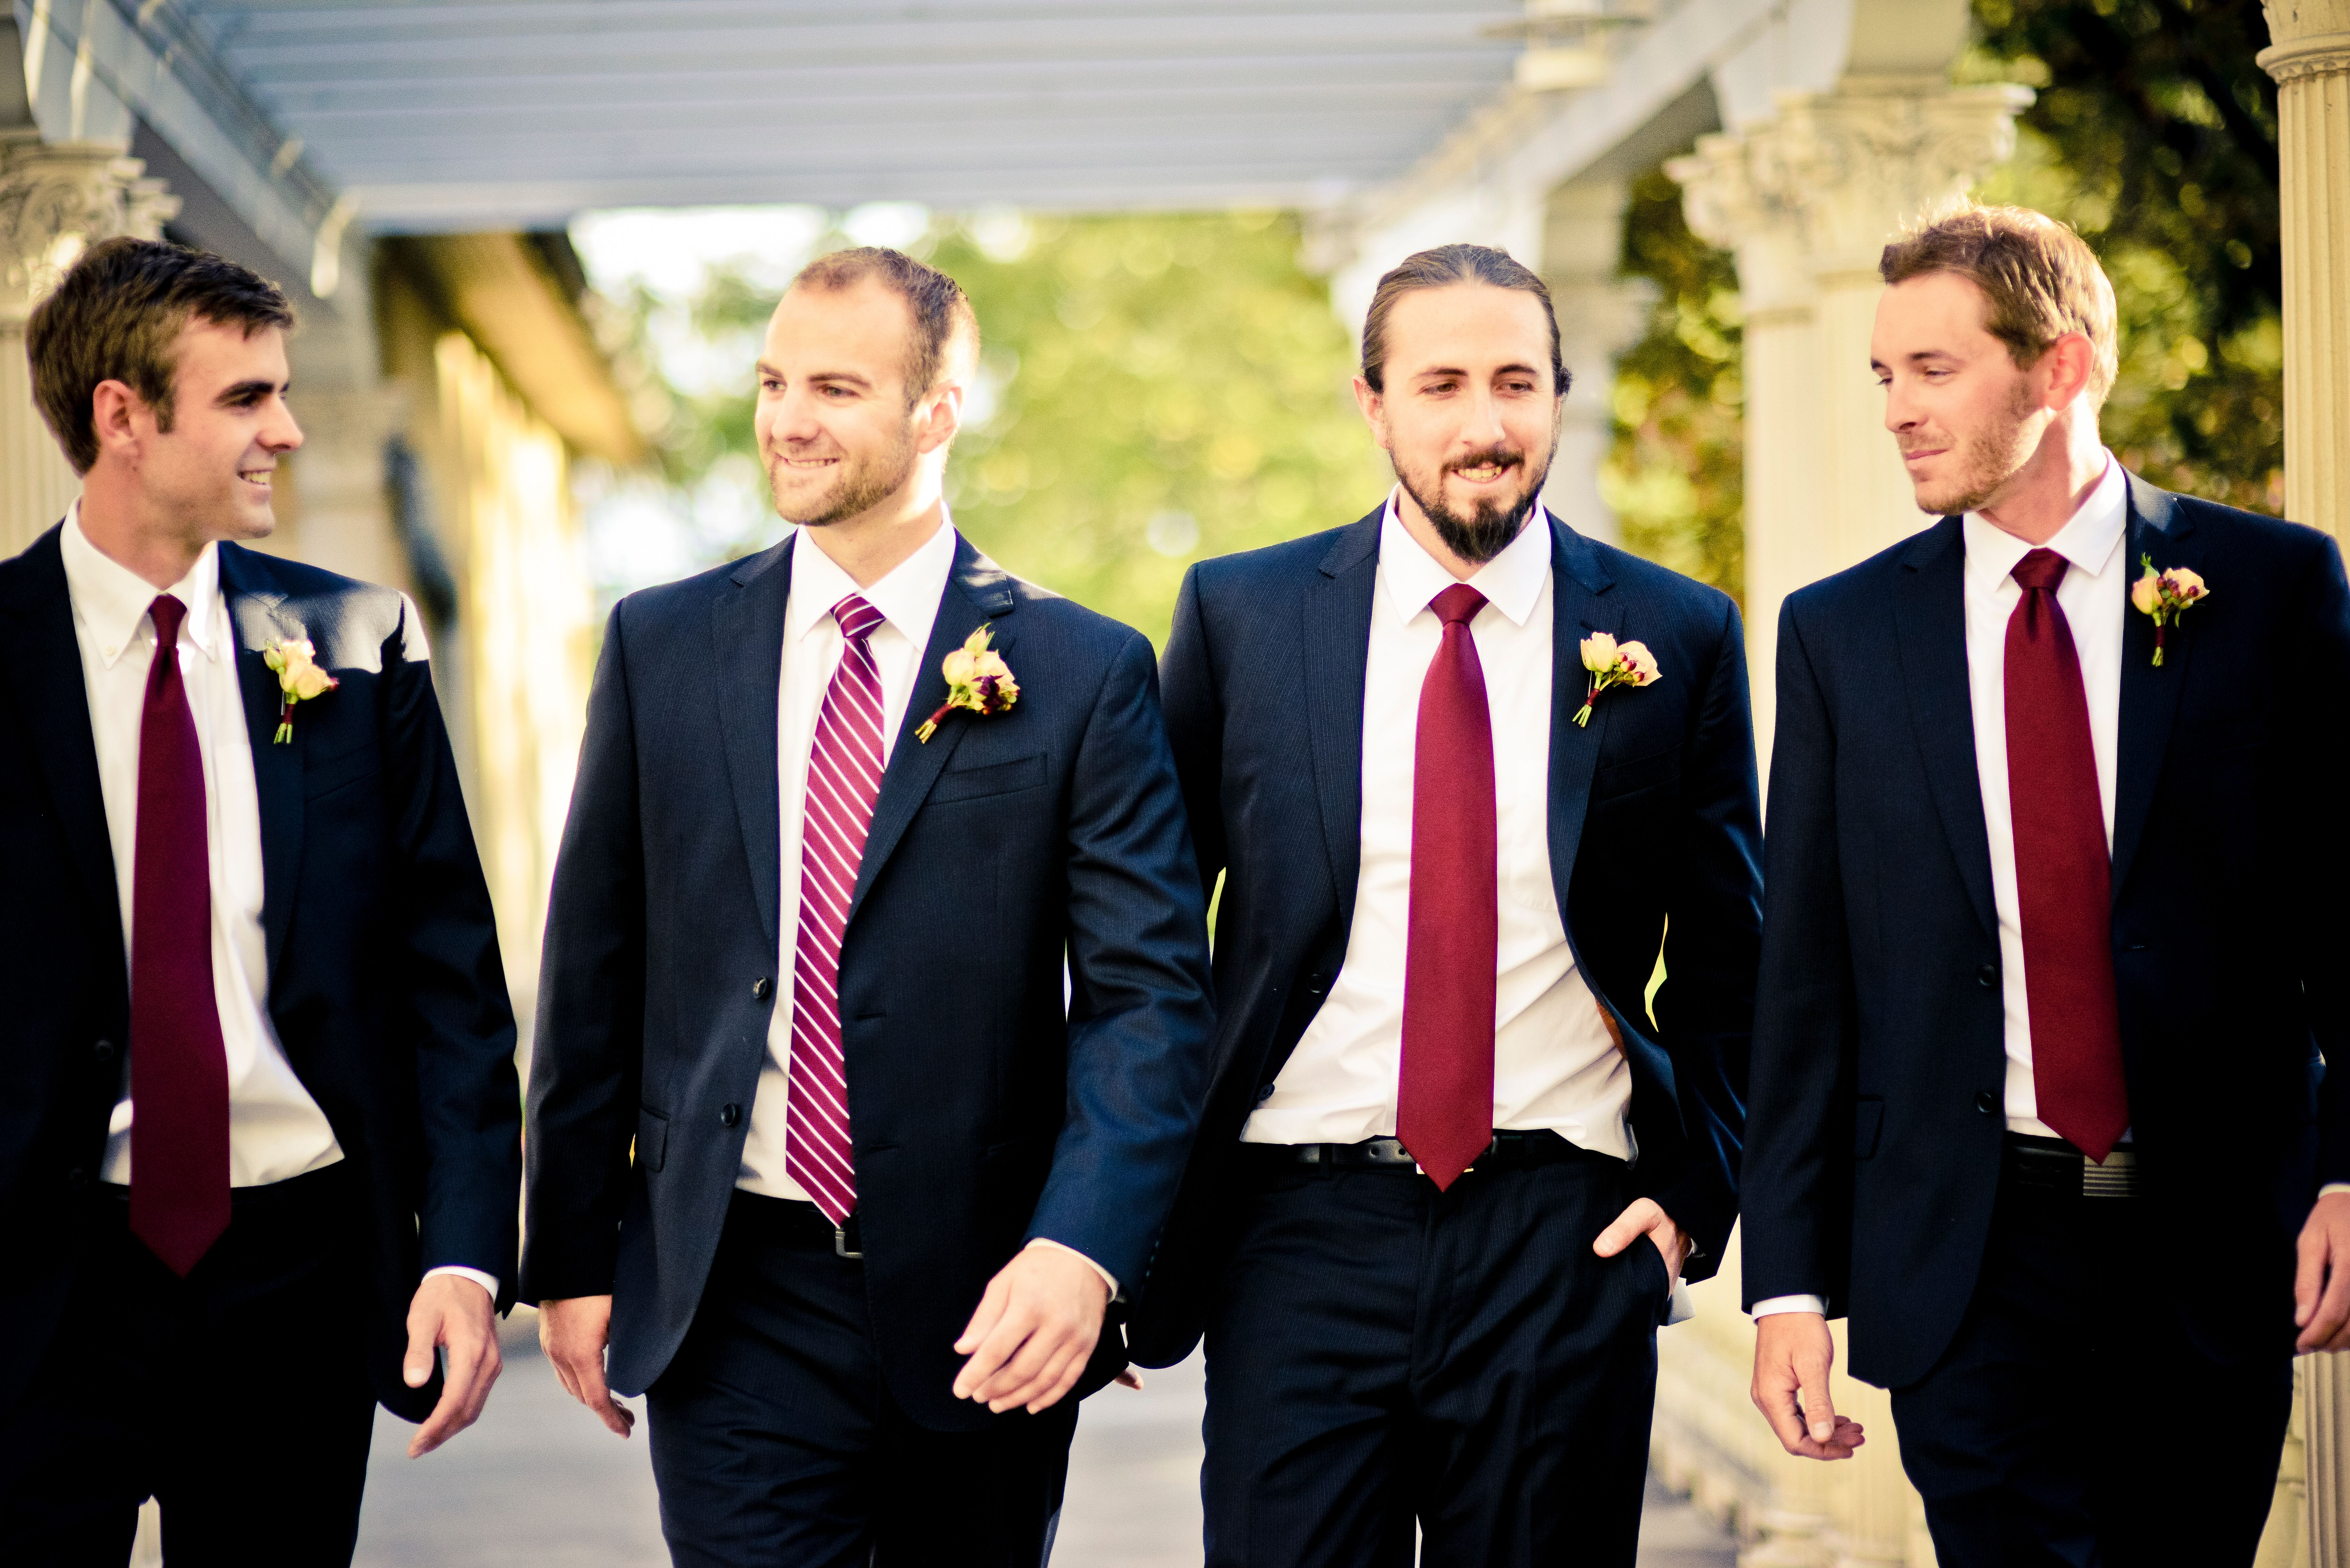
(537, 1483)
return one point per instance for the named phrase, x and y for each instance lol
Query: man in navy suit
(875, 1008)
(258, 1151)
(2054, 953)
(1454, 1160)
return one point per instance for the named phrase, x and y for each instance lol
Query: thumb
(990, 1308)
(416, 1371)
(1617, 1236)
(1819, 1411)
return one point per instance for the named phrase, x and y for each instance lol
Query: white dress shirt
(908, 598)
(276, 1131)
(1555, 1065)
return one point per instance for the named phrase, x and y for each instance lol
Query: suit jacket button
(759, 987)
(1983, 1103)
(1265, 1094)
(729, 1115)
(103, 1051)
(1988, 977)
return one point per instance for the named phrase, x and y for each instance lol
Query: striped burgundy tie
(844, 778)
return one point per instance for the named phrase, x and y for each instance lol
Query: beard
(1987, 459)
(858, 487)
(1487, 531)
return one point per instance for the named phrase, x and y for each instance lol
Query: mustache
(1491, 457)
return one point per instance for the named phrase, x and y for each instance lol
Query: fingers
(1637, 1219)
(574, 1333)
(424, 1333)
(1128, 1377)
(1819, 1406)
(474, 1366)
(1774, 1395)
(617, 1418)
(2325, 1325)
(1792, 1355)
(2308, 1278)
(984, 1341)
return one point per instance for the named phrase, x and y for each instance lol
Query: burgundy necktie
(179, 1070)
(844, 779)
(1444, 1103)
(2063, 871)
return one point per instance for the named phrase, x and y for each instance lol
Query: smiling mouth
(1923, 451)
(806, 465)
(1483, 473)
(259, 478)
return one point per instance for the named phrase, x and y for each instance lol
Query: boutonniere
(2165, 597)
(299, 679)
(977, 678)
(1613, 663)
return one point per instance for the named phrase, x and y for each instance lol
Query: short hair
(944, 323)
(116, 316)
(2040, 280)
(1439, 268)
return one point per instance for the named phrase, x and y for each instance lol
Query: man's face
(1967, 419)
(212, 471)
(834, 432)
(1470, 416)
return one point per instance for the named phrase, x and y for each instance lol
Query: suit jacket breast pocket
(992, 779)
(1634, 775)
(324, 776)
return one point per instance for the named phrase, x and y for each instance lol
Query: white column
(1600, 315)
(54, 200)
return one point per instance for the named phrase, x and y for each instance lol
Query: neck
(115, 520)
(876, 541)
(1423, 533)
(2054, 483)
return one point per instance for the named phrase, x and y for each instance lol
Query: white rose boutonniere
(299, 679)
(1613, 663)
(977, 678)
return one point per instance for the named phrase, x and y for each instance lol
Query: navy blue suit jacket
(1879, 1063)
(385, 983)
(1653, 814)
(983, 1110)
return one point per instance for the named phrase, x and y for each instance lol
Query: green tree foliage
(1154, 390)
(2155, 134)
(1676, 475)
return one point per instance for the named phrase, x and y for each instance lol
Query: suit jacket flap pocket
(995, 778)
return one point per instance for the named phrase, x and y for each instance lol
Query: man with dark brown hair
(259, 1156)
(848, 1172)
(2052, 960)
(1457, 766)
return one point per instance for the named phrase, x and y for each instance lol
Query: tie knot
(858, 620)
(1458, 604)
(2038, 569)
(168, 613)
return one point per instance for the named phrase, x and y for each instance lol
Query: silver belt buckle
(2118, 1177)
(840, 1244)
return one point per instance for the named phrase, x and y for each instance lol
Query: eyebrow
(850, 375)
(1915, 356)
(240, 391)
(1497, 371)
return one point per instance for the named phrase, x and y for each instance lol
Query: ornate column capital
(2312, 38)
(1736, 194)
(55, 200)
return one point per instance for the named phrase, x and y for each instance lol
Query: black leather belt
(2049, 1167)
(803, 1222)
(1510, 1151)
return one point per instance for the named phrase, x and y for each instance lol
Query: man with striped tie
(826, 1146)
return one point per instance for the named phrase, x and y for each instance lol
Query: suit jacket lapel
(1929, 618)
(978, 590)
(1579, 579)
(255, 609)
(2149, 700)
(746, 635)
(1338, 633)
(41, 658)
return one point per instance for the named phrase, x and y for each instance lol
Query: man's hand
(455, 1314)
(1032, 1334)
(2321, 1285)
(572, 1332)
(1792, 1354)
(1647, 1218)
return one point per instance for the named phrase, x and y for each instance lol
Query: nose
(1899, 414)
(790, 416)
(1484, 427)
(283, 434)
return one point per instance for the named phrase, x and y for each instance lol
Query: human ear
(112, 414)
(2067, 364)
(1374, 412)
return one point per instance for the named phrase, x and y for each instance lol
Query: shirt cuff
(487, 1282)
(2331, 1188)
(1108, 1278)
(1763, 1309)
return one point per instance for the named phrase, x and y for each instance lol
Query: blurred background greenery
(1159, 388)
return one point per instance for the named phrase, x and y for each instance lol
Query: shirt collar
(2089, 539)
(112, 600)
(1512, 581)
(908, 598)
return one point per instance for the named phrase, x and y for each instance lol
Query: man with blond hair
(2052, 955)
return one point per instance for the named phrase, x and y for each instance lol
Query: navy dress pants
(237, 1397)
(776, 1443)
(2073, 1420)
(1381, 1353)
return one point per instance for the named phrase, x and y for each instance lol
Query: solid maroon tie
(179, 1071)
(1444, 1103)
(2063, 871)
